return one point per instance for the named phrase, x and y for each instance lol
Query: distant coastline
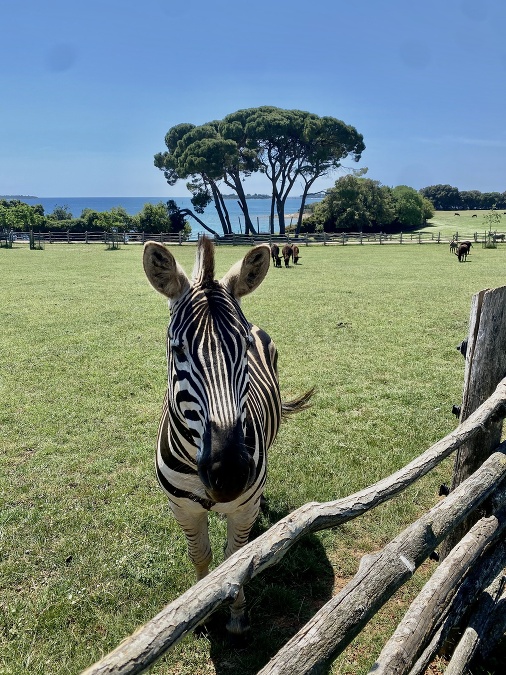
(310, 195)
(18, 197)
(248, 196)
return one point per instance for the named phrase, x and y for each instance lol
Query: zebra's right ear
(163, 272)
(247, 274)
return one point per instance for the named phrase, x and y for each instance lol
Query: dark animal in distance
(287, 252)
(296, 256)
(462, 252)
(456, 214)
(222, 406)
(276, 258)
(474, 215)
(453, 246)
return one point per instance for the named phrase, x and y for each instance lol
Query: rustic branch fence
(178, 239)
(469, 583)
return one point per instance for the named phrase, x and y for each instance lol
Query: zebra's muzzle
(225, 467)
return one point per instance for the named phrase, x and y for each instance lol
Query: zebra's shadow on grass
(280, 601)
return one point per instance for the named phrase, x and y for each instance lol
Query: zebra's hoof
(238, 631)
(239, 640)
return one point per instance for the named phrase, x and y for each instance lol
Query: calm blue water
(258, 208)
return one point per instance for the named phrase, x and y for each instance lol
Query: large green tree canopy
(360, 205)
(285, 145)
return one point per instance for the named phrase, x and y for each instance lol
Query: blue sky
(90, 87)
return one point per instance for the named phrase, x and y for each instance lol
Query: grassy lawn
(465, 224)
(88, 549)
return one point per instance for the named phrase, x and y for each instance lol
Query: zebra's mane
(203, 271)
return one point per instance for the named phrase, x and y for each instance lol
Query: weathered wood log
(417, 627)
(479, 578)
(485, 627)
(335, 625)
(137, 652)
(497, 624)
(485, 367)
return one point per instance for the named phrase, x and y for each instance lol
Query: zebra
(222, 407)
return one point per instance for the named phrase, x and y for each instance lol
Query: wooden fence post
(485, 366)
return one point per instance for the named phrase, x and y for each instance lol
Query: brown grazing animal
(287, 252)
(276, 259)
(296, 255)
(462, 252)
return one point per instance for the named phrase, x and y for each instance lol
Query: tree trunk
(302, 205)
(189, 212)
(280, 208)
(485, 366)
(243, 203)
(271, 217)
(221, 209)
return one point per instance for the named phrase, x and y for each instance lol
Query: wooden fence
(178, 239)
(468, 582)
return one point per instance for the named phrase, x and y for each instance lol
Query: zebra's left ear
(163, 272)
(247, 274)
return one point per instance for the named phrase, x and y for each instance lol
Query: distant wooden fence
(178, 239)
(67, 237)
(469, 581)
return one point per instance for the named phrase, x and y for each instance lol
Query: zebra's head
(207, 354)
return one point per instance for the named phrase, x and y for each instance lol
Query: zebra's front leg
(239, 524)
(192, 518)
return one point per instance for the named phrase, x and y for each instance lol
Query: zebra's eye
(178, 350)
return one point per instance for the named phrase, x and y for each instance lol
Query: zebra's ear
(248, 273)
(164, 273)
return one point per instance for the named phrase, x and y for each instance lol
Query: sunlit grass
(88, 550)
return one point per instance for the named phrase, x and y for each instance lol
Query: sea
(259, 209)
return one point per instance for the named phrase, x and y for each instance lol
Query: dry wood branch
(150, 641)
(341, 619)
(417, 627)
(479, 577)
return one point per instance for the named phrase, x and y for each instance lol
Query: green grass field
(448, 224)
(88, 549)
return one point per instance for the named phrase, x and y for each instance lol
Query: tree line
(155, 218)
(449, 198)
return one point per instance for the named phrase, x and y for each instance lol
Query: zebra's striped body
(222, 409)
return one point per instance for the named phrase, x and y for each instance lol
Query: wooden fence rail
(152, 640)
(325, 239)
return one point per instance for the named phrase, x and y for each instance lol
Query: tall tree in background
(291, 145)
(196, 153)
(285, 145)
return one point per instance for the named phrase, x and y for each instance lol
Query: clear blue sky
(90, 87)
